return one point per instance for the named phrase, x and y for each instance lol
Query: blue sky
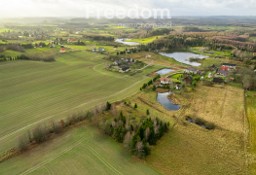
(80, 8)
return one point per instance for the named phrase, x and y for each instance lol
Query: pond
(163, 99)
(184, 57)
(123, 41)
(164, 71)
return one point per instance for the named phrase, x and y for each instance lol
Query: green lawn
(81, 151)
(35, 92)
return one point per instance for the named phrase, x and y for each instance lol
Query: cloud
(80, 8)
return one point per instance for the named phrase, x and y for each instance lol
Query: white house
(164, 81)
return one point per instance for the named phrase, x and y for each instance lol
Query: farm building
(165, 81)
(62, 50)
(228, 66)
(100, 50)
(124, 68)
(72, 40)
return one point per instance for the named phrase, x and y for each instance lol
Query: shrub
(209, 126)
(199, 121)
(154, 88)
(56, 128)
(147, 112)
(23, 143)
(40, 134)
(108, 106)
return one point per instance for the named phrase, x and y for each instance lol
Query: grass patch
(191, 150)
(251, 115)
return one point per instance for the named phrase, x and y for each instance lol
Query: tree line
(137, 136)
(45, 58)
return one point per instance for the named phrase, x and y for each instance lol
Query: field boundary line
(96, 154)
(32, 169)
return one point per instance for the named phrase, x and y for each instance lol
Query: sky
(123, 8)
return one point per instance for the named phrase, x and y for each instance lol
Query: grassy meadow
(251, 113)
(191, 150)
(36, 92)
(82, 150)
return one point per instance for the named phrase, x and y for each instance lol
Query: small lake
(184, 57)
(163, 99)
(123, 41)
(164, 71)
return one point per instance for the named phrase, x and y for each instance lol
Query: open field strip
(251, 115)
(191, 150)
(35, 92)
(77, 107)
(77, 143)
(82, 150)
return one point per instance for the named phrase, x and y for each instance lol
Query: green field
(251, 115)
(36, 92)
(81, 151)
(144, 40)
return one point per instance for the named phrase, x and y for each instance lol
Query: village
(212, 75)
(124, 65)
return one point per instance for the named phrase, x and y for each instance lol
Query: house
(229, 66)
(210, 75)
(115, 63)
(164, 81)
(72, 40)
(62, 49)
(101, 50)
(224, 68)
(178, 86)
(124, 68)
